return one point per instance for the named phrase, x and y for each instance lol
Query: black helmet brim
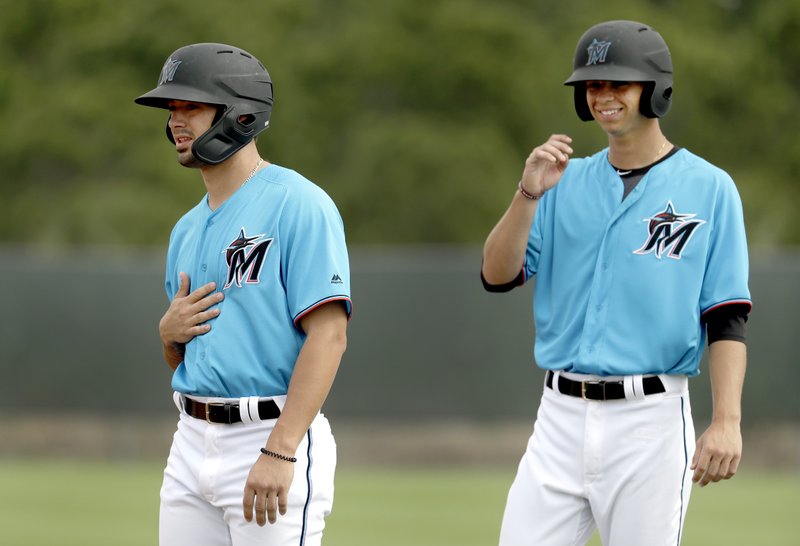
(160, 96)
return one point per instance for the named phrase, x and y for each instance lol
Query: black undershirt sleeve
(727, 322)
(519, 280)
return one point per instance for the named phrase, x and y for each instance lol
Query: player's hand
(267, 489)
(718, 453)
(188, 313)
(546, 164)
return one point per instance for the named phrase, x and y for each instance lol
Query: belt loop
(244, 410)
(634, 389)
(252, 407)
(556, 377)
(177, 398)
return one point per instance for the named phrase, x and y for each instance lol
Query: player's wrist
(529, 195)
(174, 347)
(279, 456)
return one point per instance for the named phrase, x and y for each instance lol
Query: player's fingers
(247, 503)
(183, 287)
(730, 466)
(283, 502)
(700, 465)
(699, 472)
(698, 452)
(262, 509)
(733, 468)
(203, 316)
(198, 330)
(562, 145)
(546, 153)
(199, 293)
(561, 151)
(208, 301)
(560, 138)
(722, 471)
(272, 508)
(712, 472)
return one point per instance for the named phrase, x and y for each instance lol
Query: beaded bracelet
(526, 194)
(286, 458)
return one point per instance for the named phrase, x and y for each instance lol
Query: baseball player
(640, 258)
(258, 278)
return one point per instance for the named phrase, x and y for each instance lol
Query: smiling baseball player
(258, 280)
(640, 257)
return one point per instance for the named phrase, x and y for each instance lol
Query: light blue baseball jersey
(276, 248)
(621, 285)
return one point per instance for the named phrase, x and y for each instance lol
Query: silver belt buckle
(208, 409)
(583, 388)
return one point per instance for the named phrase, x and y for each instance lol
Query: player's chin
(187, 159)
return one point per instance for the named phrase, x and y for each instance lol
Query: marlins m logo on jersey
(669, 230)
(597, 51)
(245, 258)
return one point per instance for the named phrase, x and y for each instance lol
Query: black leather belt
(601, 390)
(227, 413)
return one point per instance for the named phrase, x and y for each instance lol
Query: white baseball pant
(208, 465)
(618, 466)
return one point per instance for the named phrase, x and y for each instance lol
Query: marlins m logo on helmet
(168, 72)
(597, 51)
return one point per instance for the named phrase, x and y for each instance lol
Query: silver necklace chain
(253, 172)
(658, 153)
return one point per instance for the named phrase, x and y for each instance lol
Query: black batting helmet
(221, 75)
(624, 51)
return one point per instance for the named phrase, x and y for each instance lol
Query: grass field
(99, 503)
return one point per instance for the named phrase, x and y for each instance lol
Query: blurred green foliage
(415, 115)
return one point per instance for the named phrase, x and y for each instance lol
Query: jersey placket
(203, 263)
(596, 320)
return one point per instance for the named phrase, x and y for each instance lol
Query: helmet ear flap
(228, 134)
(581, 106)
(169, 133)
(655, 102)
(646, 100)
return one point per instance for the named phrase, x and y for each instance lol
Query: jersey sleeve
(315, 263)
(726, 278)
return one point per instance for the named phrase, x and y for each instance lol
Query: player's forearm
(727, 365)
(505, 247)
(311, 382)
(173, 353)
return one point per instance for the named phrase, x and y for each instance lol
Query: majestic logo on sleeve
(597, 51)
(245, 257)
(669, 231)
